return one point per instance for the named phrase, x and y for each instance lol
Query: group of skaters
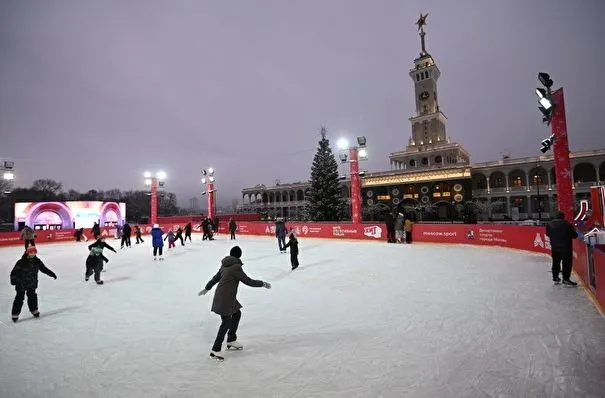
(399, 227)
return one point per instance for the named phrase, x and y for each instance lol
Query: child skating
(95, 259)
(24, 277)
(225, 301)
(293, 245)
(171, 239)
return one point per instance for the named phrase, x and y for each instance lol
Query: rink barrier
(527, 238)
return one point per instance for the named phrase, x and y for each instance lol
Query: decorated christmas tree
(325, 199)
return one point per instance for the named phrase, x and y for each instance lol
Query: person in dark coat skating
(561, 234)
(225, 301)
(96, 230)
(179, 236)
(293, 245)
(280, 233)
(139, 233)
(24, 277)
(188, 229)
(28, 235)
(95, 259)
(232, 228)
(126, 233)
(389, 220)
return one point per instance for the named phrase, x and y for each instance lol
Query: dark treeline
(137, 202)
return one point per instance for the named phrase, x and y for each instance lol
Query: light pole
(209, 179)
(355, 154)
(6, 167)
(154, 181)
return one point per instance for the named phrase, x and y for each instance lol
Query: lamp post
(154, 181)
(355, 154)
(552, 107)
(6, 167)
(209, 179)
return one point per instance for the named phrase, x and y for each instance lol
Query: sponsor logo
(470, 235)
(337, 231)
(270, 229)
(305, 229)
(542, 242)
(438, 233)
(373, 232)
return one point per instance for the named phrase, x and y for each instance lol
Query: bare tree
(487, 208)
(47, 186)
(72, 194)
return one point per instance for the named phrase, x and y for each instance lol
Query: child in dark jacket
(24, 277)
(293, 245)
(95, 259)
(225, 301)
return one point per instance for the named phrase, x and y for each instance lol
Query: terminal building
(433, 175)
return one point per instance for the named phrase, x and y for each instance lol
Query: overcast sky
(93, 93)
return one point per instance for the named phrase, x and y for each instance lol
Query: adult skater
(188, 229)
(79, 234)
(215, 225)
(225, 301)
(408, 226)
(280, 233)
(96, 230)
(126, 232)
(179, 236)
(28, 235)
(24, 277)
(399, 228)
(95, 259)
(389, 220)
(157, 242)
(561, 234)
(293, 245)
(139, 233)
(232, 228)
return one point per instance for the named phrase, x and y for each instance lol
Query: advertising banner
(69, 215)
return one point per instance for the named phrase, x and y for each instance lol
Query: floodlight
(211, 171)
(203, 193)
(211, 179)
(161, 175)
(362, 173)
(541, 93)
(8, 176)
(361, 140)
(343, 143)
(203, 180)
(363, 154)
(147, 181)
(547, 143)
(343, 157)
(342, 177)
(204, 172)
(545, 80)
(9, 165)
(147, 174)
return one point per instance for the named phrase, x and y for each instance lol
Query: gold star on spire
(421, 21)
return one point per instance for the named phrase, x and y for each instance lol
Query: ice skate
(570, 283)
(15, 318)
(557, 281)
(154, 258)
(234, 345)
(217, 355)
(36, 314)
(99, 282)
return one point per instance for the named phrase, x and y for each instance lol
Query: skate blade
(231, 348)
(218, 359)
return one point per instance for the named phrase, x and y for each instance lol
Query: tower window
(417, 77)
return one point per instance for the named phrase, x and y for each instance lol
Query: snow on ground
(357, 319)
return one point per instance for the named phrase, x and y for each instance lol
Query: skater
(96, 230)
(28, 235)
(280, 233)
(408, 226)
(157, 241)
(95, 259)
(24, 277)
(225, 301)
(179, 235)
(188, 229)
(561, 234)
(138, 232)
(232, 228)
(79, 234)
(293, 245)
(390, 223)
(399, 228)
(126, 232)
(171, 239)
(215, 225)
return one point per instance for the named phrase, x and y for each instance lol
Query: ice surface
(357, 319)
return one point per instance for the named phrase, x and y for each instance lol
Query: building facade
(433, 176)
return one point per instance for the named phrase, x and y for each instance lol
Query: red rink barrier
(529, 238)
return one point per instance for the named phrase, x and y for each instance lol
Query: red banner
(561, 153)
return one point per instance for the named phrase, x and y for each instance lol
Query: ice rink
(357, 319)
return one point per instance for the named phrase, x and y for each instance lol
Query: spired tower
(429, 146)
